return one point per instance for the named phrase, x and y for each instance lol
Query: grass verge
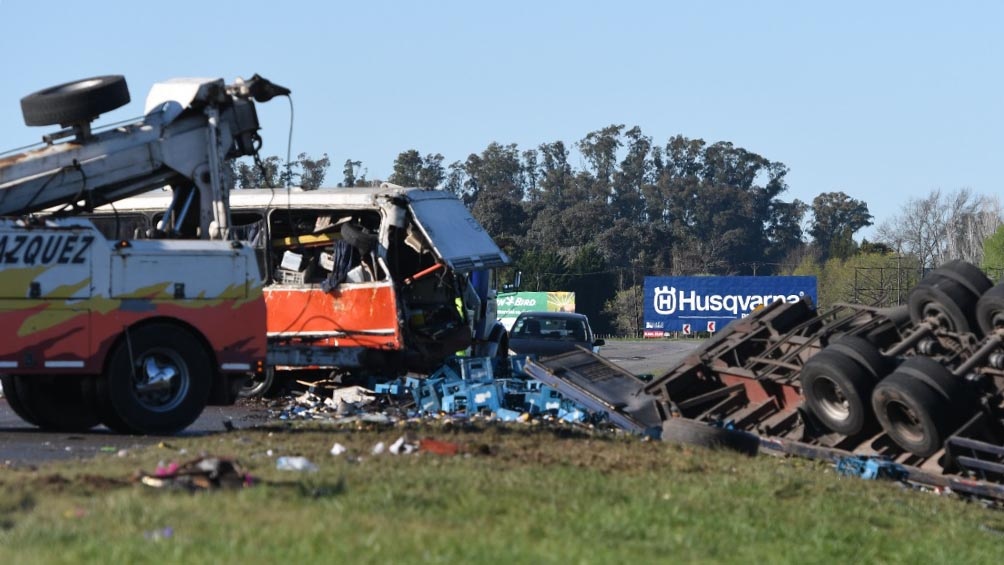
(515, 494)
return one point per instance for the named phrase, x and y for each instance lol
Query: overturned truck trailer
(920, 386)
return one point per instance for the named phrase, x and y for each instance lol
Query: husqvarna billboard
(708, 304)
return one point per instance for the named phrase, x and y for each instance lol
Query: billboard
(708, 304)
(510, 304)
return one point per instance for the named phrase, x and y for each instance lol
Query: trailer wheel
(888, 331)
(56, 403)
(944, 302)
(158, 379)
(77, 101)
(692, 432)
(10, 392)
(965, 273)
(864, 353)
(837, 390)
(918, 404)
(990, 310)
(259, 385)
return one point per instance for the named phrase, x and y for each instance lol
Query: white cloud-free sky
(881, 100)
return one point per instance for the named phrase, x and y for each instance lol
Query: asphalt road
(24, 445)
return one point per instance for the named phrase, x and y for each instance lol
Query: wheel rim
(258, 385)
(904, 422)
(935, 313)
(161, 380)
(832, 401)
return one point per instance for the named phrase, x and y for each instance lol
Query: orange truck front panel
(357, 315)
(67, 296)
(51, 338)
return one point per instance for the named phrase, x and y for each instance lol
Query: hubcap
(161, 380)
(831, 398)
(905, 422)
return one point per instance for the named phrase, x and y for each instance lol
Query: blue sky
(881, 100)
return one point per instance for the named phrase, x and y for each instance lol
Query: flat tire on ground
(692, 432)
(74, 102)
(837, 390)
(158, 379)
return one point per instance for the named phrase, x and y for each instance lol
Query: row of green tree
(636, 208)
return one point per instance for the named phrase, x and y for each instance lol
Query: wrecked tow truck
(372, 280)
(919, 386)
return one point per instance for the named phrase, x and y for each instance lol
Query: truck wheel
(887, 331)
(837, 390)
(691, 432)
(56, 403)
(10, 392)
(967, 274)
(73, 102)
(918, 404)
(990, 310)
(164, 384)
(944, 302)
(259, 385)
(864, 353)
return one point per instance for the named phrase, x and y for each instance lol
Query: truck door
(457, 238)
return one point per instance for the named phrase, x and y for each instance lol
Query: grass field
(515, 494)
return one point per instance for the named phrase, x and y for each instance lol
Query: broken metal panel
(457, 238)
(600, 386)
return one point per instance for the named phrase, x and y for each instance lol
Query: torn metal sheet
(602, 387)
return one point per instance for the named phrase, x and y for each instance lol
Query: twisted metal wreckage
(914, 392)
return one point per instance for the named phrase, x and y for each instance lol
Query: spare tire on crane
(79, 101)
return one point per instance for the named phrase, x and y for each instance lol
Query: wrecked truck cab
(374, 280)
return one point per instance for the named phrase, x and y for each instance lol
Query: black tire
(837, 391)
(74, 102)
(691, 432)
(163, 353)
(359, 237)
(990, 310)
(887, 332)
(56, 403)
(10, 392)
(864, 353)
(967, 274)
(259, 386)
(913, 413)
(102, 406)
(944, 302)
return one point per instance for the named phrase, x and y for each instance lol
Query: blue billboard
(708, 304)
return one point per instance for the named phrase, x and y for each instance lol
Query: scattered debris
(871, 468)
(295, 464)
(404, 445)
(338, 449)
(438, 447)
(198, 474)
(463, 388)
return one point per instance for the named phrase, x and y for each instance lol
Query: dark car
(550, 333)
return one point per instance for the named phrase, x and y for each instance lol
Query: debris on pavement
(203, 473)
(463, 388)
